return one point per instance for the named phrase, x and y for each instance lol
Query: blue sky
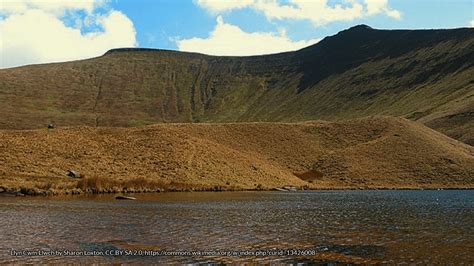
(159, 22)
(41, 31)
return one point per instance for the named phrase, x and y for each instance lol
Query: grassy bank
(98, 185)
(369, 153)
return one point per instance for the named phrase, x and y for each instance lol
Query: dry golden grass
(375, 152)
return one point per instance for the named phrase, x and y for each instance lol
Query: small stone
(121, 197)
(290, 188)
(73, 174)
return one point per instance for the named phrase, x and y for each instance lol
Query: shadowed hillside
(423, 75)
(377, 152)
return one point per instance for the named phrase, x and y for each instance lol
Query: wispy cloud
(318, 12)
(54, 7)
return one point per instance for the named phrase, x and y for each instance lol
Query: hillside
(377, 152)
(423, 75)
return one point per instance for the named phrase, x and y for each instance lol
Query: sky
(44, 31)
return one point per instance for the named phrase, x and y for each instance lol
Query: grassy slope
(377, 152)
(423, 75)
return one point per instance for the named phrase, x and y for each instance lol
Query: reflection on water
(344, 226)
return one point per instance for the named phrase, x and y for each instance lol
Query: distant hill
(377, 152)
(423, 75)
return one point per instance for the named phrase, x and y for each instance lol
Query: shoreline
(29, 192)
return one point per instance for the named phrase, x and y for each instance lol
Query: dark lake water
(288, 227)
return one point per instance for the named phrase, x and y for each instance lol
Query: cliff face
(424, 75)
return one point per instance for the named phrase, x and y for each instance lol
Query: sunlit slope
(424, 75)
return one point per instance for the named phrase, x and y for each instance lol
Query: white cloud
(33, 32)
(381, 6)
(319, 12)
(471, 23)
(228, 39)
(222, 6)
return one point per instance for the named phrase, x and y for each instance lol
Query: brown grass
(136, 185)
(377, 152)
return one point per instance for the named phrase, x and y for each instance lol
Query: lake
(391, 226)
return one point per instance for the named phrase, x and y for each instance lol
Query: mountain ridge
(354, 29)
(424, 75)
